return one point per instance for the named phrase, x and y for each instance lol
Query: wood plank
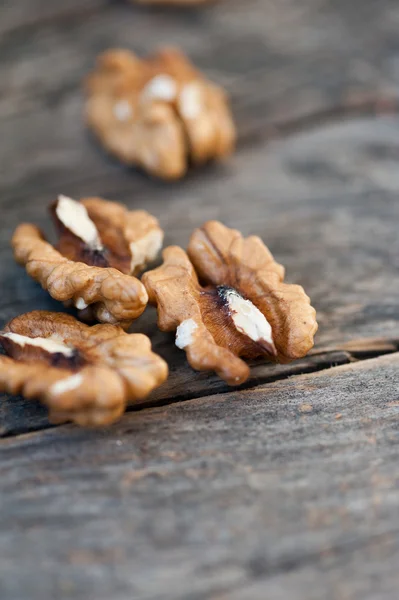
(288, 487)
(331, 185)
(273, 77)
(27, 14)
(363, 573)
(250, 50)
(18, 416)
(324, 201)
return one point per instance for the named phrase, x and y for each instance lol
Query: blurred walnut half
(101, 245)
(83, 374)
(159, 113)
(172, 2)
(226, 299)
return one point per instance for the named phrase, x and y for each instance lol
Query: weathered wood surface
(326, 204)
(280, 62)
(285, 489)
(289, 490)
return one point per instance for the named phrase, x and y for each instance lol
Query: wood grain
(285, 489)
(324, 201)
(272, 75)
(18, 415)
(27, 15)
(291, 488)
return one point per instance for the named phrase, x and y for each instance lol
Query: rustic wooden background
(288, 488)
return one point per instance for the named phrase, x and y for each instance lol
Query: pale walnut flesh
(106, 234)
(227, 301)
(158, 113)
(101, 245)
(82, 374)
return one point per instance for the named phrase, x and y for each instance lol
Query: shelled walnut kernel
(101, 246)
(159, 113)
(173, 2)
(226, 299)
(82, 374)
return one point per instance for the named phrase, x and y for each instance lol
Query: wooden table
(289, 487)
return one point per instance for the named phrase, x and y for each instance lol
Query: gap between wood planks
(352, 352)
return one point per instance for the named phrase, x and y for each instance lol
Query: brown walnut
(158, 113)
(83, 374)
(226, 299)
(101, 245)
(173, 2)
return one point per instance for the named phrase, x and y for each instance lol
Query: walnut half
(158, 113)
(83, 374)
(226, 299)
(101, 245)
(173, 2)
